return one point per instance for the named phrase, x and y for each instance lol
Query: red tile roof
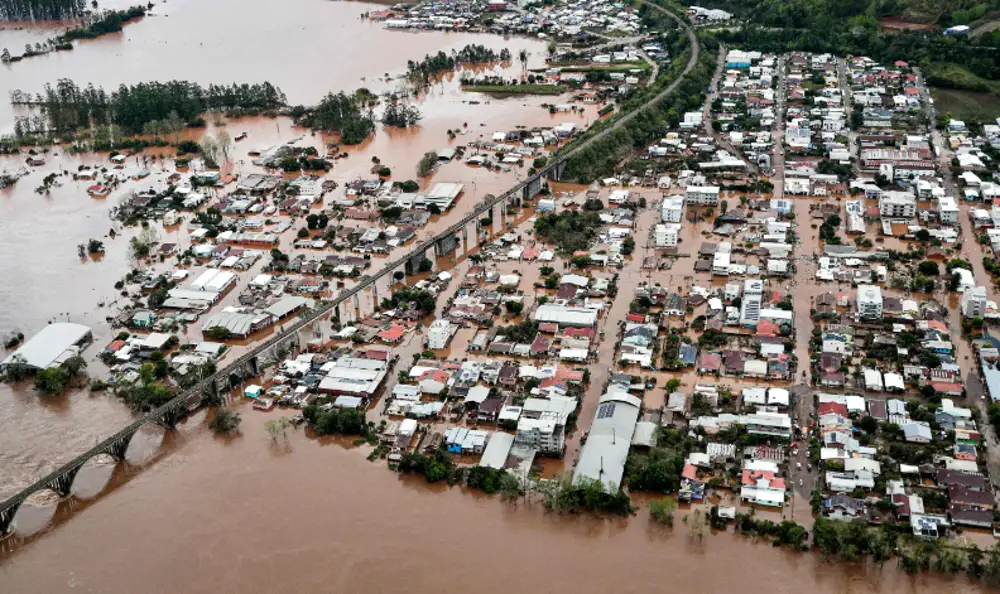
(393, 334)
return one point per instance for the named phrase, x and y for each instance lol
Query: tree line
(110, 21)
(41, 10)
(600, 158)
(67, 106)
(424, 70)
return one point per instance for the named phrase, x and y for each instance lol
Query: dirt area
(897, 23)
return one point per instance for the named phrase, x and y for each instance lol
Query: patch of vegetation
(327, 420)
(424, 70)
(523, 332)
(405, 296)
(345, 114)
(225, 422)
(569, 230)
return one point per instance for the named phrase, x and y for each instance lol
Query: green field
(516, 89)
(968, 106)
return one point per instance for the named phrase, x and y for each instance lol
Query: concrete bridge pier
(496, 213)
(356, 307)
(383, 287)
(7, 517)
(555, 172)
(445, 246)
(119, 448)
(470, 232)
(63, 484)
(413, 264)
(532, 188)
(366, 302)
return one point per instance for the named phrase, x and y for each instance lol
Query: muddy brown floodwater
(190, 512)
(304, 515)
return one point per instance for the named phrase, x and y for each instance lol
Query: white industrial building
(603, 456)
(353, 376)
(54, 344)
(566, 316)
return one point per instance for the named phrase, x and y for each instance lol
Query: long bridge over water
(347, 306)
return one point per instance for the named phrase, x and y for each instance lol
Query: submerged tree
(225, 422)
(427, 164)
(277, 427)
(400, 115)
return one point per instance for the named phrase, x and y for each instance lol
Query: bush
(225, 422)
(662, 510)
(427, 164)
(335, 421)
(928, 268)
(185, 147)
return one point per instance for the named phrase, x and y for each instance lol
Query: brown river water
(190, 512)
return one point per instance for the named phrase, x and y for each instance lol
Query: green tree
(928, 268)
(628, 246)
(662, 510)
(52, 380)
(427, 164)
(225, 421)
(277, 427)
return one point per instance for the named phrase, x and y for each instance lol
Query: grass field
(968, 106)
(516, 89)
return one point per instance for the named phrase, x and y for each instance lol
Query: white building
(542, 424)
(869, 302)
(702, 195)
(753, 297)
(603, 456)
(897, 205)
(439, 334)
(672, 210)
(974, 302)
(666, 235)
(947, 210)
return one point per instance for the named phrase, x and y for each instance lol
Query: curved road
(193, 395)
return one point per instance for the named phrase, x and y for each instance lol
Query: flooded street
(189, 511)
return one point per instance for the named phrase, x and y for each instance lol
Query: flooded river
(190, 512)
(248, 514)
